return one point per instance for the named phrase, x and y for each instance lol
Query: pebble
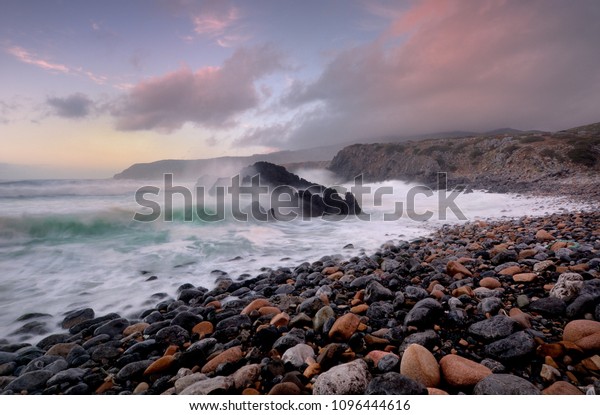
(525, 277)
(490, 283)
(346, 379)
(209, 386)
(344, 327)
(419, 364)
(461, 372)
(517, 346)
(232, 355)
(298, 354)
(392, 383)
(454, 267)
(497, 327)
(203, 329)
(578, 329)
(285, 388)
(505, 384)
(567, 286)
(160, 365)
(562, 388)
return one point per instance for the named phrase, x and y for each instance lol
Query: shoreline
(290, 331)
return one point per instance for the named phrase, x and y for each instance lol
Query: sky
(91, 87)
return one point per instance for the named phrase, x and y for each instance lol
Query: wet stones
(424, 313)
(505, 384)
(495, 328)
(345, 379)
(515, 347)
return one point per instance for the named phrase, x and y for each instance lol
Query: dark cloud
(449, 65)
(211, 97)
(73, 106)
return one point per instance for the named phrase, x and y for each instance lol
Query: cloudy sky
(90, 87)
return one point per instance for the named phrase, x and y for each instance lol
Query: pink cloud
(211, 97)
(215, 22)
(445, 65)
(219, 21)
(31, 58)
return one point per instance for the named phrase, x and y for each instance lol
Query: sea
(68, 244)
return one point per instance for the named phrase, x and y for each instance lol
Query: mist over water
(69, 244)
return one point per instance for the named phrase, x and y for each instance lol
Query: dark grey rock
(505, 384)
(549, 306)
(186, 319)
(52, 364)
(291, 339)
(517, 346)
(583, 304)
(6, 357)
(389, 363)
(72, 375)
(490, 305)
(361, 282)
(31, 382)
(96, 340)
(76, 317)
(493, 365)
(415, 293)
(133, 370)
(310, 306)
(105, 352)
(172, 335)
(49, 341)
(427, 339)
(79, 389)
(494, 328)
(393, 383)
(379, 313)
(77, 356)
(142, 348)
(424, 313)
(113, 328)
(377, 292)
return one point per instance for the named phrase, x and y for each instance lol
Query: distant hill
(224, 166)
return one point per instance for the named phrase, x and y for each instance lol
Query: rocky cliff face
(567, 161)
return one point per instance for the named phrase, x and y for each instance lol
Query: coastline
(298, 331)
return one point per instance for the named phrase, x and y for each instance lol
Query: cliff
(562, 162)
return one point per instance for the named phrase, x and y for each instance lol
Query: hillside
(566, 162)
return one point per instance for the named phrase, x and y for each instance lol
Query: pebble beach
(503, 307)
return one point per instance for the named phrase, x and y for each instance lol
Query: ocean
(67, 244)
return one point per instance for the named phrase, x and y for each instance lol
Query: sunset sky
(90, 87)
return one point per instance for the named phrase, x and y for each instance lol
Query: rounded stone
(392, 383)
(232, 355)
(298, 354)
(255, 305)
(285, 388)
(345, 379)
(590, 343)
(578, 329)
(344, 327)
(562, 388)
(160, 365)
(505, 384)
(461, 372)
(203, 329)
(490, 283)
(419, 364)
